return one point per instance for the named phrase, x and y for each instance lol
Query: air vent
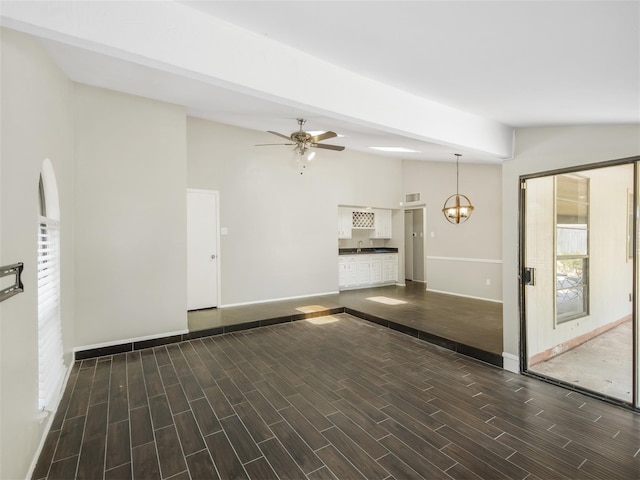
(412, 197)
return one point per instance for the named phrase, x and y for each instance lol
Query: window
(572, 247)
(50, 351)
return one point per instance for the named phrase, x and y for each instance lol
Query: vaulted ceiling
(438, 77)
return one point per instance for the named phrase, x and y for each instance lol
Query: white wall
(36, 124)
(540, 150)
(282, 238)
(130, 217)
(460, 258)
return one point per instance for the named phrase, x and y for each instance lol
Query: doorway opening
(578, 257)
(414, 244)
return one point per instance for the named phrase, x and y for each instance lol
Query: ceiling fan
(303, 140)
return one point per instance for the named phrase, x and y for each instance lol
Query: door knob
(213, 256)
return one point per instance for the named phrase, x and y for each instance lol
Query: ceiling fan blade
(279, 134)
(338, 148)
(267, 144)
(323, 136)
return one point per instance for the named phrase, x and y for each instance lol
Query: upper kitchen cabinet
(376, 221)
(345, 222)
(382, 227)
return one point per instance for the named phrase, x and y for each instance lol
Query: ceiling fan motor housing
(301, 137)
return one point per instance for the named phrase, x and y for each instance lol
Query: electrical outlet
(488, 281)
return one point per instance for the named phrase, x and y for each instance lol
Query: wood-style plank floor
(325, 398)
(441, 317)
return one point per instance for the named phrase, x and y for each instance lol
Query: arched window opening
(50, 352)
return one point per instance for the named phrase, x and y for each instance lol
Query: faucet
(359, 249)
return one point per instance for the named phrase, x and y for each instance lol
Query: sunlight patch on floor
(386, 300)
(311, 308)
(322, 320)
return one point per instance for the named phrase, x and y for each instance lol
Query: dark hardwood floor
(468, 325)
(327, 397)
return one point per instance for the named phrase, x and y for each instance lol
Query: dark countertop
(362, 251)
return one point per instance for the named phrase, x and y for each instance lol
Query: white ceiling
(523, 63)
(518, 63)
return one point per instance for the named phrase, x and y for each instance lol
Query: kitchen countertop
(362, 251)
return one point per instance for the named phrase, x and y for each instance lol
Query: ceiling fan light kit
(302, 158)
(457, 208)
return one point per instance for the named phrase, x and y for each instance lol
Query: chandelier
(457, 208)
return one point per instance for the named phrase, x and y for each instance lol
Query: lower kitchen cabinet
(348, 270)
(364, 269)
(359, 271)
(390, 268)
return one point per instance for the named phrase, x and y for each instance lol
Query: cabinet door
(344, 222)
(347, 271)
(376, 270)
(364, 269)
(382, 223)
(342, 274)
(390, 268)
(352, 274)
(385, 229)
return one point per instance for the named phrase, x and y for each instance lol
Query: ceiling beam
(174, 38)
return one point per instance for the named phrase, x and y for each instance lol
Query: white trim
(129, 340)
(278, 299)
(462, 259)
(466, 296)
(510, 362)
(49, 413)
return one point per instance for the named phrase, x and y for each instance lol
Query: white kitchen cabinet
(362, 219)
(348, 271)
(390, 267)
(376, 269)
(363, 270)
(382, 224)
(345, 222)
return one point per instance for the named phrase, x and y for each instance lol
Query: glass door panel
(579, 319)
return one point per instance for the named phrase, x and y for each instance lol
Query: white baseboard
(129, 340)
(510, 362)
(277, 299)
(465, 296)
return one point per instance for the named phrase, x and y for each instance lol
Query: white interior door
(202, 249)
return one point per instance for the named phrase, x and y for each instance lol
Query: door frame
(408, 253)
(216, 194)
(420, 209)
(635, 396)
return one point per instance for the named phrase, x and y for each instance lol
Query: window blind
(51, 364)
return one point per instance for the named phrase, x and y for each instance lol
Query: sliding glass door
(579, 279)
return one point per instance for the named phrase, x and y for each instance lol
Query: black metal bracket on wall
(17, 287)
